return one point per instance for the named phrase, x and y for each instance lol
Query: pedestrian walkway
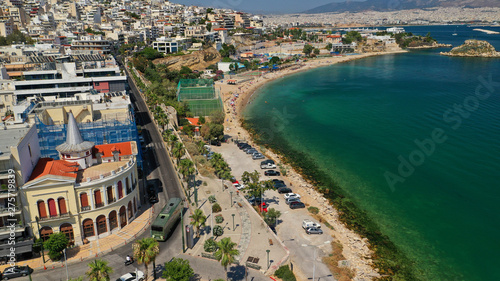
(97, 247)
(249, 231)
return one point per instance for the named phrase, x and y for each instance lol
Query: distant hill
(394, 5)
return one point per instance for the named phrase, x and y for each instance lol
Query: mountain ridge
(396, 5)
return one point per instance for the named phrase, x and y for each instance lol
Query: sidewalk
(95, 248)
(250, 232)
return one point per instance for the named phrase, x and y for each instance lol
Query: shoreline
(355, 248)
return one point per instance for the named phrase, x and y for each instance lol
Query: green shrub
(210, 246)
(218, 231)
(313, 210)
(219, 219)
(328, 225)
(285, 273)
(212, 199)
(216, 208)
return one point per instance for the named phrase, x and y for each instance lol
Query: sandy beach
(236, 97)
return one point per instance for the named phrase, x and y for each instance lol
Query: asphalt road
(157, 164)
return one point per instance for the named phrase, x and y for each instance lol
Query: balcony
(14, 210)
(99, 205)
(85, 208)
(111, 200)
(56, 217)
(17, 228)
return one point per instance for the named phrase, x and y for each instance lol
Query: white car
(291, 195)
(131, 276)
(238, 186)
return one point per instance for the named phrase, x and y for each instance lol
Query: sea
(413, 139)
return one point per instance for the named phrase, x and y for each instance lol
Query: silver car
(314, 230)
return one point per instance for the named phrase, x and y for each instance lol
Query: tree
(217, 117)
(329, 46)
(274, 60)
(209, 26)
(316, 51)
(80, 278)
(352, 36)
(307, 49)
(178, 151)
(216, 131)
(99, 270)
(145, 251)
(178, 270)
(172, 140)
(226, 252)
(186, 168)
(210, 245)
(198, 220)
(56, 243)
(271, 216)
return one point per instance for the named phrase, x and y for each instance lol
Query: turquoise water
(358, 120)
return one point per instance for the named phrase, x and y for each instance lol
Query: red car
(263, 207)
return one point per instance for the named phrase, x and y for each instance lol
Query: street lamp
(233, 222)
(231, 192)
(268, 265)
(66, 262)
(40, 237)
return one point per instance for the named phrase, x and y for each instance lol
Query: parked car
(291, 195)
(254, 200)
(278, 185)
(314, 230)
(296, 205)
(16, 271)
(309, 223)
(132, 277)
(263, 207)
(271, 173)
(215, 142)
(241, 145)
(285, 189)
(258, 156)
(252, 151)
(267, 164)
(248, 148)
(290, 200)
(238, 186)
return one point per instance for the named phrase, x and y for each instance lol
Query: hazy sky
(260, 6)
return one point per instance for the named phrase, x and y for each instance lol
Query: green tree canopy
(99, 270)
(307, 49)
(56, 243)
(178, 270)
(145, 251)
(226, 252)
(352, 36)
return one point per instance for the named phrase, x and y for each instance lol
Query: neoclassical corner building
(89, 193)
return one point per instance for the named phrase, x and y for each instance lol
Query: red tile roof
(193, 121)
(124, 148)
(217, 29)
(49, 166)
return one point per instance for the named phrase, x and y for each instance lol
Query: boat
(455, 34)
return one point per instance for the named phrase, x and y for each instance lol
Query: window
(62, 206)
(42, 211)
(88, 228)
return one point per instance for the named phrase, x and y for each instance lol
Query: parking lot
(304, 248)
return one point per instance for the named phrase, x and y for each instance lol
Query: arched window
(45, 232)
(130, 211)
(113, 222)
(52, 207)
(120, 190)
(84, 201)
(109, 194)
(127, 186)
(123, 217)
(67, 229)
(88, 228)
(42, 211)
(62, 206)
(101, 224)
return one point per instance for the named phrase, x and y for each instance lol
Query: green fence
(201, 96)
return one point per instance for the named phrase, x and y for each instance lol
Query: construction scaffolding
(200, 94)
(99, 132)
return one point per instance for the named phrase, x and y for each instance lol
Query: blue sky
(260, 6)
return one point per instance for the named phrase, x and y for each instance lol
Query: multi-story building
(165, 45)
(6, 26)
(91, 45)
(89, 193)
(19, 152)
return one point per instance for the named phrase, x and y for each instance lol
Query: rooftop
(96, 171)
(11, 135)
(49, 166)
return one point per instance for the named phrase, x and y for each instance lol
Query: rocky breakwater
(473, 48)
(433, 45)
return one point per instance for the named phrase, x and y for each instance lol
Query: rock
(473, 48)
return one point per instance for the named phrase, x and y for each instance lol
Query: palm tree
(198, 220)
(145, 251)
(178, 151)
(172, 139)
(226, 252)
(186, 168)
(99, 270)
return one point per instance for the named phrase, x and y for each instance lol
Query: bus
(166, 219)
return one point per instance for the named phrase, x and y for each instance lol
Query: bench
(239, 204)
(253, 265)
(271, 242)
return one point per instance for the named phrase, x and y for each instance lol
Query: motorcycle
(128, 262)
